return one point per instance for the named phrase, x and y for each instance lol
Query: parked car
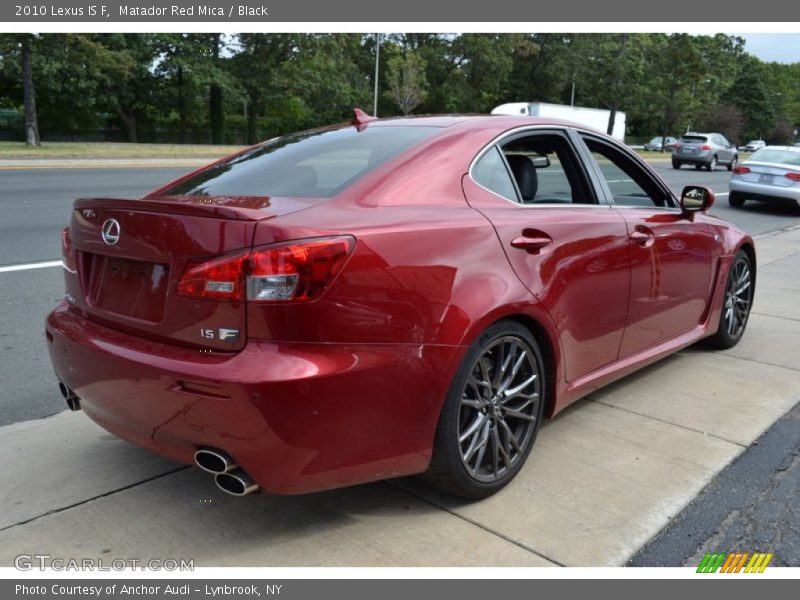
(393, 297)
(771, 174)
(655, 145)
(754, 145)
(704, 150)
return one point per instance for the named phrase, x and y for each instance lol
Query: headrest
(525, 174)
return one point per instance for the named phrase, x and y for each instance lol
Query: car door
(569, 250)
(671, 253)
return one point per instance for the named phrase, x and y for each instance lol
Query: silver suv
(704, 150)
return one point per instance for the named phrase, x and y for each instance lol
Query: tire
(732, 164)
(484, 437)
(713, 164)
(676, 164)
(698, 166)
(736, 200)
(736, 303)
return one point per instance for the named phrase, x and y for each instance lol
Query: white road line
(29, 266)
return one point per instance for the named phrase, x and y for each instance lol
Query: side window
(546, 169)
(491, 172)
(629, 184)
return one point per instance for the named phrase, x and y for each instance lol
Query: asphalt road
(36, 204)
(35, 208)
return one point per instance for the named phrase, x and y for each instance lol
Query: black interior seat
(525, 174)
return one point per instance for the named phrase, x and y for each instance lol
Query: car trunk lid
(130, 255)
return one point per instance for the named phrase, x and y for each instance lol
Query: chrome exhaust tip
(214, 461)
(73, 402)
(237, 483)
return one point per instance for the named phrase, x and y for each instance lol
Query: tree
(749, 92)
(216, 116)
(675, 67)
(610, 69)
(406, 79)
(255, 67)
(29, 92)
(485, 64)
(321, 82)
(727, 119)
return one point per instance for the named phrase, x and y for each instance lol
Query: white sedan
(772, 173)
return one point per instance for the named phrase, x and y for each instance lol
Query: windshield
(655, 140)
(311, 164)
(773, 155)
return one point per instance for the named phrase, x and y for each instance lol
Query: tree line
(209, 87)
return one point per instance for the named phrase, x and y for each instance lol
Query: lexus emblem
(111, 231)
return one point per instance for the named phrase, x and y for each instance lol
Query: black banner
(416, 11)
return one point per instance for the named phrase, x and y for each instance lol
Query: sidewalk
(605, 476)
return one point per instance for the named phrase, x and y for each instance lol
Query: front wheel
(491, 414)
(676, 164)
(736, 303)
(732, 164)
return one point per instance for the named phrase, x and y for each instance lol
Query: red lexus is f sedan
(385, 298)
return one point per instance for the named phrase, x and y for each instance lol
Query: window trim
(567, 132)
(637, 160)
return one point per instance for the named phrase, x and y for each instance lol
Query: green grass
(101, 150)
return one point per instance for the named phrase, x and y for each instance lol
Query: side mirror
(540, 162)
(696, 198)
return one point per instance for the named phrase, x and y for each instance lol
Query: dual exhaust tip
(227, 474)
(71, 398)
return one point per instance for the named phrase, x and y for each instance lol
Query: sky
(773, 47)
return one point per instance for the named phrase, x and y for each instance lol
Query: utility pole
(572, 95)
(377, 64)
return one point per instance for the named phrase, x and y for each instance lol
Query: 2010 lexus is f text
(386, 298)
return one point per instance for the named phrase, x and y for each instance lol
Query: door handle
(531, 242)
(642, 236)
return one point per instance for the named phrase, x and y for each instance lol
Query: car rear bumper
(694, 159)
(295, 417)
(759, 191)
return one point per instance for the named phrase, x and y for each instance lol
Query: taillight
(299, 271)
(741, 170)
(221, 279)
(705, 147)
(67, 252)
(793, 176)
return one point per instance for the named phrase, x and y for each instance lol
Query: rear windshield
(316, 164)
(772, 155)
(695, 138)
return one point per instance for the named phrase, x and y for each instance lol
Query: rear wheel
(491, 414)
(735, 304)
(736, 200)
(676, 164)
(713, 164)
